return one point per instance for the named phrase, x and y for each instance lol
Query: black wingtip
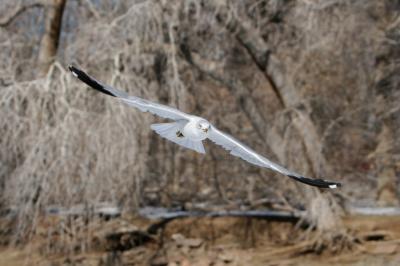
(316, 182)
(82, 76)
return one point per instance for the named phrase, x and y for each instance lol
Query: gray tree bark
(50, 38)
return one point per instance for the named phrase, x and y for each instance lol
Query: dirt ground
(211, 241)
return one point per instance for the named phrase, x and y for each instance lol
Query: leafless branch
(20, 9)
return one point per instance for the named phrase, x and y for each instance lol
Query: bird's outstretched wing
(239, 149)
(142, 104)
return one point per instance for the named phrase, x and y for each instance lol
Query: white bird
(189, 131)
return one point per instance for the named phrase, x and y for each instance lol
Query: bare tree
(52, 30)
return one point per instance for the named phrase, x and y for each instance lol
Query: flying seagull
(189, 131)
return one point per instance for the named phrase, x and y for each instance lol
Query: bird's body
(194, 129)
(190, 131)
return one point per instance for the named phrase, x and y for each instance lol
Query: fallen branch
(103, 210)
(162, 213)
(374, 211)
(165, 216)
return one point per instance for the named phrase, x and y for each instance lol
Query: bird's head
(204, 125)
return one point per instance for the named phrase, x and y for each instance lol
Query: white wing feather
(142, 104)
(239, 149)
(155, 108)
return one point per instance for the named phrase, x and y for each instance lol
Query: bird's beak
(205, 130)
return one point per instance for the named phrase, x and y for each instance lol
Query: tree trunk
(386, 173)
(50, 39)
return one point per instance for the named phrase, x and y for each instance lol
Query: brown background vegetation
(310, 84)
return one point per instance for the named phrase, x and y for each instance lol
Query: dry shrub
(57, 144)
